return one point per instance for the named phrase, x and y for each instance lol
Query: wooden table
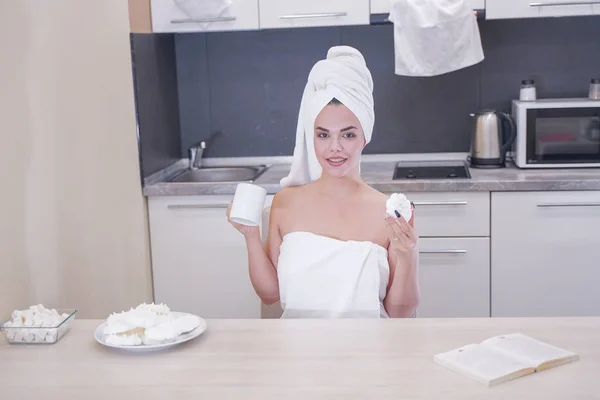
(299, 359)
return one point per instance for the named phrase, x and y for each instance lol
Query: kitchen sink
(220, 174)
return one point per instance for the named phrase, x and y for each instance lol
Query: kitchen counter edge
(378, 174)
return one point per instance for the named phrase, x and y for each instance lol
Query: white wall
(73, 227)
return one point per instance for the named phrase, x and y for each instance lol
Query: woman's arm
(262, 270)
(263, 260)
(403, 294)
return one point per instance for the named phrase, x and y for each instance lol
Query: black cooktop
(460, 171)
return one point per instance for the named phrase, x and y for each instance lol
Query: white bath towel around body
(335, 279)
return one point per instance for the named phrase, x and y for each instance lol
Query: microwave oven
(557, 133)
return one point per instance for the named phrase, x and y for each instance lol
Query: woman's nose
(336, 145)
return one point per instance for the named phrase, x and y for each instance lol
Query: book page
(483, 363)
(529, 350)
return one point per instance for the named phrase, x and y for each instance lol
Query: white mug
(248, 204)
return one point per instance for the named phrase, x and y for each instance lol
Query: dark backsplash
(244, 88)
(155, 84)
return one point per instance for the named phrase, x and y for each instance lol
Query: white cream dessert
(158, 333)
(135, 318)
(124, 340)
(147, 324)
(158, 309)
(36, 317)
(399, 202)
(186, 323)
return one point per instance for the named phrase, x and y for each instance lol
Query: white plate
(99, 336)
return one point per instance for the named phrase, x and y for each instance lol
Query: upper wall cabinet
(499, 9)
(311, 13)
(383, 6)
(195, 16)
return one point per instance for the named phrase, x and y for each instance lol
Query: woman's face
(339, 140)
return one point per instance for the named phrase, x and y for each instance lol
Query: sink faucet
(196, 155)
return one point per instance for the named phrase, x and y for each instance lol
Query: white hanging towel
(345, 76)
(434, 37)
(208, 10)
(322, 277)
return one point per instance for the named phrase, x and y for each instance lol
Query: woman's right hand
(244, 229)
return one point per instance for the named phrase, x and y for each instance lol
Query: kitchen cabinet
(545, 254)
(312, 13)
(184, 16)
(500, 9)
(454, 253)
(383, 6)
(199, 261)
(454, 277)
(451, 214)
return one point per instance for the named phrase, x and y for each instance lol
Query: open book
(502, 358)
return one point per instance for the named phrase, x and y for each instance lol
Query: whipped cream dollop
(147, 324)
(35, 324)
(399, 202)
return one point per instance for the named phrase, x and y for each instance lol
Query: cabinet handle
(202, 20)
(318, 15)
(440, 203)
(565, 3)
(194, 206)
(442, 251)
(593, 204)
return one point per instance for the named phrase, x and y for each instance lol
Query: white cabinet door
(545, 254)
(311, 13)
(199, 261)
(183, 16)
(454, 276)
(383, 6)
(499, 9)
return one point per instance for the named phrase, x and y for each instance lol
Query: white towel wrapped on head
(342, 75)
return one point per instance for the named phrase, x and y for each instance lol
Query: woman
(332, 251)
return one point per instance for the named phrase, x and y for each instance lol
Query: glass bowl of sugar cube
(37, 325)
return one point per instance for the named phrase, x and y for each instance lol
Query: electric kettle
(493, 132)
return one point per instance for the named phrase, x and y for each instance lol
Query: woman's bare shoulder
(285, 197)
(375, 196)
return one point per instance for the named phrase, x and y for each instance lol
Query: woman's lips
(336, 161)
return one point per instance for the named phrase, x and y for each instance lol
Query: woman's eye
(322, 135)
(350, 135)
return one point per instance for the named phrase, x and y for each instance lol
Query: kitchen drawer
(383, 6)
(172, 16)
(499, 9)
(310, 13)
(442, 214)
(454, 277)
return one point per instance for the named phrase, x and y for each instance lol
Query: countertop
(300, 359)
(377, 171)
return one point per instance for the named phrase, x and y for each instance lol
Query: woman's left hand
(402, 238)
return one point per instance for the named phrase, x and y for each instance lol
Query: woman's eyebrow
(341, 130)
